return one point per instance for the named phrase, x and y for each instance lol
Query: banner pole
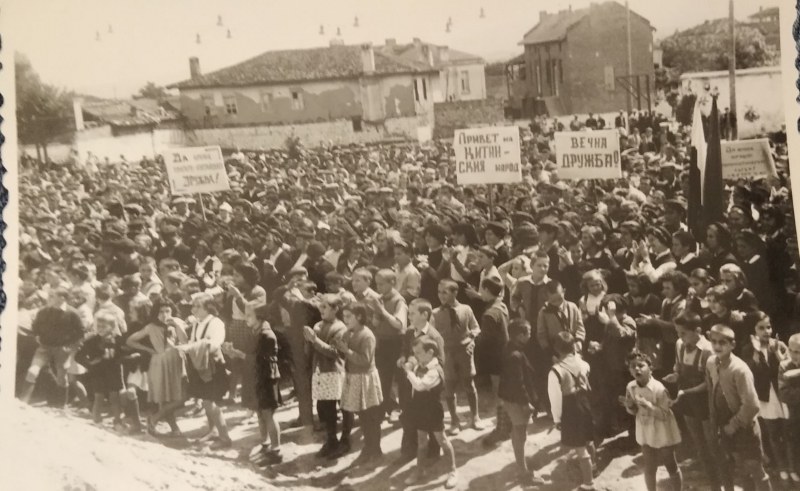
(491, 202)
(202, 206)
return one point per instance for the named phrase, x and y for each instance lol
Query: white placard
(196, 170)
(747, 159)
(489, 155)
(588, 155)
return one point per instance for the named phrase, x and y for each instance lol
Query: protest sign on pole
(588, 155)
(489, 155)
(747, 159)
(193, 170)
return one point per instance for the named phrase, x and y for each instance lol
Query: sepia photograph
(350, 244)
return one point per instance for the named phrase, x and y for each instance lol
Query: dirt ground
(54, 449)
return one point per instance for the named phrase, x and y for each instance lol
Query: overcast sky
(153, 39)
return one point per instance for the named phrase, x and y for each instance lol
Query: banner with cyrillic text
(588, 155)
(193, 170)
(489, 155)
(747, 159)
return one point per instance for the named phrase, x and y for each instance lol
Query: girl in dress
(267, 382)
(764, 355)
(361, 391)
(426, 377)
(328, 374)
(656, 427)
(166, 373)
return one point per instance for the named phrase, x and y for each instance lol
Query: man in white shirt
(408, 277)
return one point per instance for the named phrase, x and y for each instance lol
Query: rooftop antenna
(219, 20)
(338, 31)
(321, 30)
(198, 39)
(229, 34)
(355, 22)
(483, 14)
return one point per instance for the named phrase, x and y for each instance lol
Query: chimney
(367, 58)
(77, 109)
(543, 15)
(417, 42)
(444, 54)
(194, 67)
(391, 42)
(427, 54)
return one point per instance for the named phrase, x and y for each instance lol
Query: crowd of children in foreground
(386, 291)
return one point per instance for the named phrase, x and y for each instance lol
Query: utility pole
(630, 54)
(733, 113)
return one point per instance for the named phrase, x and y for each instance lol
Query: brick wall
(449, 116)
(598, 41)
(313, 134)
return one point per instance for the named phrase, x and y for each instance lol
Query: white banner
(196, 170)
(489, 155)
(747, 159)
(588, 155)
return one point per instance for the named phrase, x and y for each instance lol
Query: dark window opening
(357, 125)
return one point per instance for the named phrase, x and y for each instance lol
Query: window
(424, 89)
(266, 100)
(357, 126)
(208, 104)
(560, 71)
(523, 73)
(416, 90)
(297, 101)
(538, 80)
(230, 105)
(465, 82)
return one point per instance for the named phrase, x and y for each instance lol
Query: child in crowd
(733, 402)
(101, 354)
(361, 391)
(789, 390)
(491, 343)
(691, 403)
(267, 382)
(764, 355)
(569, 390)
(166, 372)
(699, 283)
(328, 373)
(426, 376)
(517, 392)
(619, 338)
(419, 316)
(656, 428)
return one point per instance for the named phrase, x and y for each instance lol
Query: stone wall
(450, 116)
(340, 132)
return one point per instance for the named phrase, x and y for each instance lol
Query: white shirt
(431, 379)
(211, 328)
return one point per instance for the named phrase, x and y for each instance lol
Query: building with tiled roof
(576, 62)
(357, 83)
(462, 76)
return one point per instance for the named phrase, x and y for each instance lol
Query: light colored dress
(656, 427)
(362, 386)
(166, 375)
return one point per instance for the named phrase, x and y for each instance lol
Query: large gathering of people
(365, 283)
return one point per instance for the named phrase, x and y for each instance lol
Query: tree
(707, 47)
(43, 111)
(152, 91)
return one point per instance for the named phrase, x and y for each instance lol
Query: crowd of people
(366, 283)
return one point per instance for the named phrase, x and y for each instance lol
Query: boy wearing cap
(733, 405)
